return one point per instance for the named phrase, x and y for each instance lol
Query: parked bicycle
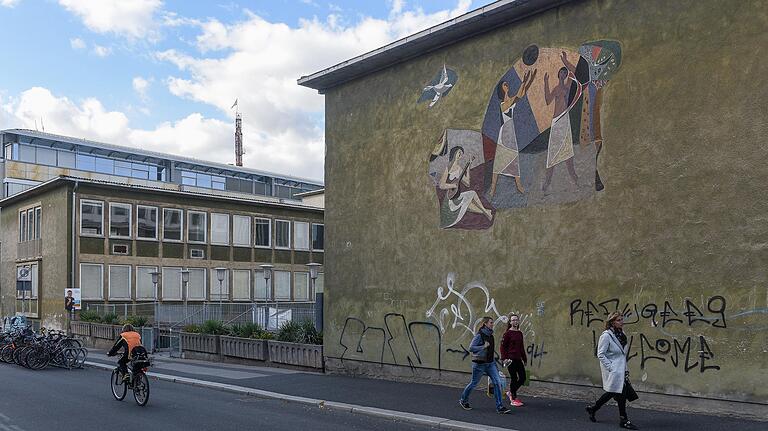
(136, 379)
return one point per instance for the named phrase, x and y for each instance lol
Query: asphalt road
(56, 399)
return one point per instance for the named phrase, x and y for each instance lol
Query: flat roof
(472, 23)
(154, 154)
(64, 179)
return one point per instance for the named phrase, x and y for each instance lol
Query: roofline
(154, 154)
(63, 179)
(481, 20)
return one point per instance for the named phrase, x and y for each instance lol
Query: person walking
(611, 351)
(514, 358)
(482, 349)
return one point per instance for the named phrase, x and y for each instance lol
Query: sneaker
(517, 403)
(509, 395)
(626, 424)
(591, 411)
(503, 411)
(464, 405)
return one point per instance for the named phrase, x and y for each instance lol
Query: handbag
(629, 392)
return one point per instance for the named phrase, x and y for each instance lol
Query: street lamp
(314, 269)
(184, 281)
(155, 278)
(221, 274)
(267, 270)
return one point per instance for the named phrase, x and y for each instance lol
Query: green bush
(110, 319)
(246, 330)
(290, 332)
(263, 335)
(214, 327)
(137, 321)
(90, 316)
(192, 328)
(310, 334)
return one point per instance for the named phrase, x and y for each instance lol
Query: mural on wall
(539, 142)
(439, 86)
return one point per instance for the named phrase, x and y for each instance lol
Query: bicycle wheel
(118, 387)
(141, 388)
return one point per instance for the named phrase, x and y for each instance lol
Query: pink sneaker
(509, 395)
(517, 403)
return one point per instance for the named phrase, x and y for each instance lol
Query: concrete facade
(676, 237)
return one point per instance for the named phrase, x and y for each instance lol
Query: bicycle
(137, 380)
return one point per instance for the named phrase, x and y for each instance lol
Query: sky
(163, 75)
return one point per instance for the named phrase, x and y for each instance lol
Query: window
(119, 220)
(104, 166)
(91, 281)
(122, 168)
(219, 289)
(146, 222)
(188, 178)
(145, 289)
(196, 286)
(172, 224)
(261, 290)
(261, 188)
(197, 226)
(27, 153)
(30, 224)
(220, 229)
(27, 291)
(263, 233)
(218, 183)
(241, 285)
(282, 280)
(38, 216)
(91, 218)
(196, 253)
(172, 285)
(282, 234)
(301, 286)
(119, 282)
(241, 230)
(86, 163)
(66, 159)
(301, 235)
(119, 248)
(318, 237)
(22, 226)
(46, 156)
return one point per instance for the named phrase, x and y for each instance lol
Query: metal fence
(270, 315)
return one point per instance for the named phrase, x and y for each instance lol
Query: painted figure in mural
(560, 147)
(513, 357)
(440, 86)
(459, 198)
(612, 353)
(482, 349)
(506, 160)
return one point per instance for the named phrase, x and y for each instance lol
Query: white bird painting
(440, 85)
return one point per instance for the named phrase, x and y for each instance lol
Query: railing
(29, 249)
(270, 315)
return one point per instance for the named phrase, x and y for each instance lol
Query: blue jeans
(478, 371)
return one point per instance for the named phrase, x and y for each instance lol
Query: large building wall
(676, 237)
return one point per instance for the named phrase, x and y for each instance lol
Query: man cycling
(129, 339)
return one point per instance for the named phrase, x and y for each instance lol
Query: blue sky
(162, 74)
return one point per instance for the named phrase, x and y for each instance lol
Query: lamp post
(155, 279)
(267, 270)
(221, 273)
(314, 269)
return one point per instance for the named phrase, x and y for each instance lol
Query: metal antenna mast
(238, 135)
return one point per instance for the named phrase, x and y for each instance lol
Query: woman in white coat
(611, 350)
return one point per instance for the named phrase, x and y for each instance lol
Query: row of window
(203, 284)
(225, 229)
(29, 224)
(83, 162)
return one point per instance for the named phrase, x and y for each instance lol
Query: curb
(417, 419)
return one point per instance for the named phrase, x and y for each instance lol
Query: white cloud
(101, 51)
(9, 3)
(77, 43)
(260, 65)
(133, 19)
(140, 86)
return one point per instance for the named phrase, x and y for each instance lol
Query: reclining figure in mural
(531, 125)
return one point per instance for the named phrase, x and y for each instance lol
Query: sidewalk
(422, 399)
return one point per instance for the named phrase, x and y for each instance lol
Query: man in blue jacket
(482, 349)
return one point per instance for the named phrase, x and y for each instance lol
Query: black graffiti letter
(684, 348)
(643, 343)
(705, 353)
(575, 304)
(649, 311)
(665, 315)
(719, 322)
(691, 314)
(590, 307)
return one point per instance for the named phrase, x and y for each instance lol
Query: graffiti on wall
(539, 142)
(654, 338)
(448, 330)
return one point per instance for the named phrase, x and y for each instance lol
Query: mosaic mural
(439, 86)
(540, 137)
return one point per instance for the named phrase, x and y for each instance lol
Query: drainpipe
(74, 231)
